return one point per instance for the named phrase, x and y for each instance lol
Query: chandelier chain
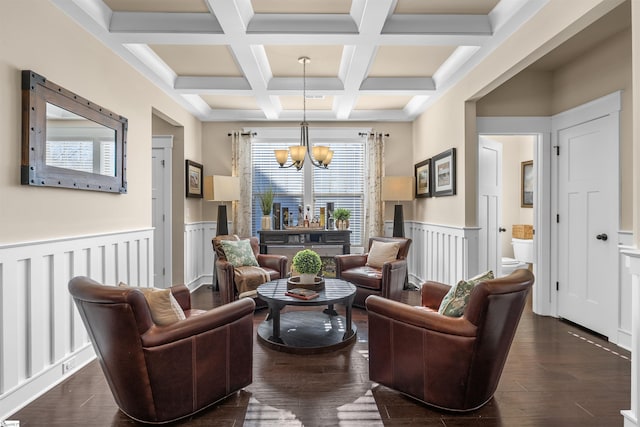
(304, 90)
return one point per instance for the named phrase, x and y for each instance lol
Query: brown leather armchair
(158, 374)
(275, 265)
(387, 281)
(453, 363)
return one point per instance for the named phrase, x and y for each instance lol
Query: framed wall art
(444, 173)
(422, 172)
(193, 179)
(526, 184)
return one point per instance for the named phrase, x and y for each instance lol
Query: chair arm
(194, 325)
(345, 262)
(274, 262)
(226, 281)
(419, 317)
(394, 274)
(182, 295)
(433, 293)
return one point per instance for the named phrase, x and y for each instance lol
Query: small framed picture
(422, 172)
(526, 184)
(444, 173)
(193, 179)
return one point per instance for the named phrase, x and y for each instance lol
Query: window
(342, 183)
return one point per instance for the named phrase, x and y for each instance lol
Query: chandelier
(321, 154)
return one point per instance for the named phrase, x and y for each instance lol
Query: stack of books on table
(301, 293)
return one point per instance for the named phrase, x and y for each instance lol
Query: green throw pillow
(455, 301)
(239, 253)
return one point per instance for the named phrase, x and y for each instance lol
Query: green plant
(266, 201)
(307, 262)
(341, 214)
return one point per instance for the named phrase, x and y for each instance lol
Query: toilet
(523, 252)
(509, 265)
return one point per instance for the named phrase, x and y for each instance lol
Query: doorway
(540, 128)
(501, 204)
(161, 210)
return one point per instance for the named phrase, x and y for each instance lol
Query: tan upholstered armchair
(386, 280)
(453, 363)
(158, 374)
(275, 266)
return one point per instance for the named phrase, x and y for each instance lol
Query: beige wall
(38, 36)
(527, 94)
(604, 69)
(216, 151)
(450, 120)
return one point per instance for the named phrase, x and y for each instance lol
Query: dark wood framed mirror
(69, 141)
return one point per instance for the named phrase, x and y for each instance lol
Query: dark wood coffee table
(307, 331)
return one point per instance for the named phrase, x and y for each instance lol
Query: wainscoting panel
(198, 254)
(40, 327)
(442, 253)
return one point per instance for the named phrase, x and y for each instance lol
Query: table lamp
(397, 188)
(218, 188)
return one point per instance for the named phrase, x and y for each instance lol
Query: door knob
(602, 237)
(501, 230)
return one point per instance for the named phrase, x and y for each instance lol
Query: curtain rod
(373, 134)
(359, 134)
(243, 133)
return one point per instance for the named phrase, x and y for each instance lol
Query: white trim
(624, 333)
(632, 262)
(592, 110)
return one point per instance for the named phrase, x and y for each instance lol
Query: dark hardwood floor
(556, 375)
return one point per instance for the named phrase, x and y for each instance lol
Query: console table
(272, 241)
(326, 243)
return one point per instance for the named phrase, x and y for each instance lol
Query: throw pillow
(239, 253)
(455, 301)
(382, 252)
(163, 306)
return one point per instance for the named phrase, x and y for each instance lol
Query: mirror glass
(74, 142)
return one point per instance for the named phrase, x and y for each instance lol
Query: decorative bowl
(317, 285)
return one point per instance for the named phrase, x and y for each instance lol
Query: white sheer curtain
(241, 167)
(374, 215)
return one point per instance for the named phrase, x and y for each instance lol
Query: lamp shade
(219, 188)
(281, 156)
(397, 188)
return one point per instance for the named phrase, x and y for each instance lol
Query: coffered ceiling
(238, 59)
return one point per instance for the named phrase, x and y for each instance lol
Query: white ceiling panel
(455, 7)
(172, 6)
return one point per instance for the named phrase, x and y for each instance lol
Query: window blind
(342, 183)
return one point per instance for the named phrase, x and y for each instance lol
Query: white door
(490, 205)
(161, 211)
(588, 177)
